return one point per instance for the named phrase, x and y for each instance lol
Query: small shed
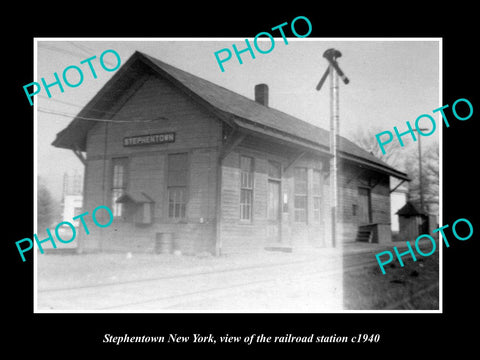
(139, 207)
(412, 222)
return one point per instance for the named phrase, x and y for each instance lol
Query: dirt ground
(60, 270)
(412, 287)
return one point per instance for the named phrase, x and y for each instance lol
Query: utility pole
(420, 177)
(335, 72)
(422, 208)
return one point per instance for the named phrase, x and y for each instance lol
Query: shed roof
(229, 106)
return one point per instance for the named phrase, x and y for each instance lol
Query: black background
(403, 334)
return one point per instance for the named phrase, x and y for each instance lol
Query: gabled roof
(136, 197)
(409, 209)
(234, 108)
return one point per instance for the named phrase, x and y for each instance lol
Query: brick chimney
(261, 94)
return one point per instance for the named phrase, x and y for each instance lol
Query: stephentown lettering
(149, 139)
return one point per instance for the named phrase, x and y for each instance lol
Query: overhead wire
(79, 106)
(98, 119)
(77, 54)
(81, 47)
(68, 52)
(61, 101)
(133, 76)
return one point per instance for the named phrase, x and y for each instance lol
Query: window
(317, 195)
(274, 170)
(176, 202)
(300, 189)
(246, 188)
(177, 185)
(119, 184)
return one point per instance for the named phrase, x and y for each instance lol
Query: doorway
(364, 206)
(273, 212)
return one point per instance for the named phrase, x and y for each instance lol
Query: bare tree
(406, 159)
(430, 177)
(365, 138)
(45, 206)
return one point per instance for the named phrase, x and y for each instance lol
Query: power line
(79, 106)
(97, 119)
(90, 109)
(60, 50)
(81, 47)
(61, 101)
(68, 52)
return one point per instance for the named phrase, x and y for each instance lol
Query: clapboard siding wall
(244, 236)
(351, 178)
(238, 235)
(156, 107)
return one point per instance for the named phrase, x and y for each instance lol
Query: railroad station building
(176, 157)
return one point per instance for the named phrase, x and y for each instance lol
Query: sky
(391, 81)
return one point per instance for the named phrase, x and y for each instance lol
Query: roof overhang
(102, 105)
(281, 137)
(375, 166)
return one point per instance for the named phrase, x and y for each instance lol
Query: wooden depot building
(177, 158)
